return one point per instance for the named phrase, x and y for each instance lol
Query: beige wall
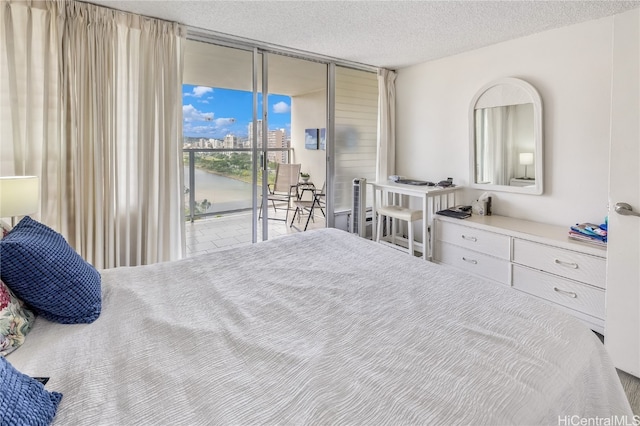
(309, 112)
(571, 69)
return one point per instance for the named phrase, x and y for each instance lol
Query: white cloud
(220, 122)
(204, 102)
(190, 113)
(197, 122)
(200, 91)
(200, 130)
(281, 108)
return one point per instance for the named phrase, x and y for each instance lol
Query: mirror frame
(532, 93)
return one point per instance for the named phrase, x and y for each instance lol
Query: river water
(222, 192)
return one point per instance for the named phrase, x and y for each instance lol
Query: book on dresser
(589, 233)
(535, 258)
(586, 239)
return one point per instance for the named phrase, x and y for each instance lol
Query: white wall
(571, 69)
(309, 112)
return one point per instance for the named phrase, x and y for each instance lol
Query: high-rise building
(250, 133)
(229, 141)
(275, 139)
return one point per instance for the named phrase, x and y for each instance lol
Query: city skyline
(215, 112)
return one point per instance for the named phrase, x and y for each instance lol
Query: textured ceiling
(391, 34)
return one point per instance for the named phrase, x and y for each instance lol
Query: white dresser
(522, 182)
(531, 257)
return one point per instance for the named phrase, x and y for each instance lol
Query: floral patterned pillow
(4, 229)
(15, 320)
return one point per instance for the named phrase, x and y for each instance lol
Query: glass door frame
(259, 157)
(262, 48)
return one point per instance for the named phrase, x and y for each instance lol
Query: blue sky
(213, 113)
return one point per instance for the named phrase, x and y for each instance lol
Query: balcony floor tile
(232, 230)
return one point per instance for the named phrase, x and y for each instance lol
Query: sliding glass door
(296, 117)
(246, 112)
(222, 173)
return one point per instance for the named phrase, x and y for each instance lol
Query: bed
(320, 327)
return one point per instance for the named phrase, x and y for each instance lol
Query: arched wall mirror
(505, 125)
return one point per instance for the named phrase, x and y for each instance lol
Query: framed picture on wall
(323, 139)
(311, 138)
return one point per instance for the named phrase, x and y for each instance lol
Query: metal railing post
(192, 185)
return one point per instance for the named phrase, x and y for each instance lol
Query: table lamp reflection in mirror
(526, 159)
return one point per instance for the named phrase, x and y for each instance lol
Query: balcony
(218, 193)
(234, 229)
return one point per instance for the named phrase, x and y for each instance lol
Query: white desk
(433, 198)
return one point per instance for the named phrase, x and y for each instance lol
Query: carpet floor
(631, 385)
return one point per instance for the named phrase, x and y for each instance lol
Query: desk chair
(397, 213)
(284, 187)
(317, 201)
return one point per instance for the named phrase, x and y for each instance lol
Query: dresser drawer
(566, 263)
(474, 262)
(490, 243)
(571, 294)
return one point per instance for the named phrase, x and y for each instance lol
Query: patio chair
(317, 201)
(284, 187)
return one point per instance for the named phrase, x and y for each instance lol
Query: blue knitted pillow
(23, 400)
(38, 265)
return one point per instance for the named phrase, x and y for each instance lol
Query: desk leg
(426, 240)
(374, 218)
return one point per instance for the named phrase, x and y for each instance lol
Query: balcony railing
(219, 180)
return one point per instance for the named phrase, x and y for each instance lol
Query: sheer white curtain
(495, 126)
(109, 156)
(386, 164)
(30, 93)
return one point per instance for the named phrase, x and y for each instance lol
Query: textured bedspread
(319, 327)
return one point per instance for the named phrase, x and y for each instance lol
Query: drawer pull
(474, 239)
(475, 262)
(568, 293)
(567, 264)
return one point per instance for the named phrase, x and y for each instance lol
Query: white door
(622, 327)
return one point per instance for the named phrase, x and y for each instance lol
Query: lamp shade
(19, 195)
(526, 158)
